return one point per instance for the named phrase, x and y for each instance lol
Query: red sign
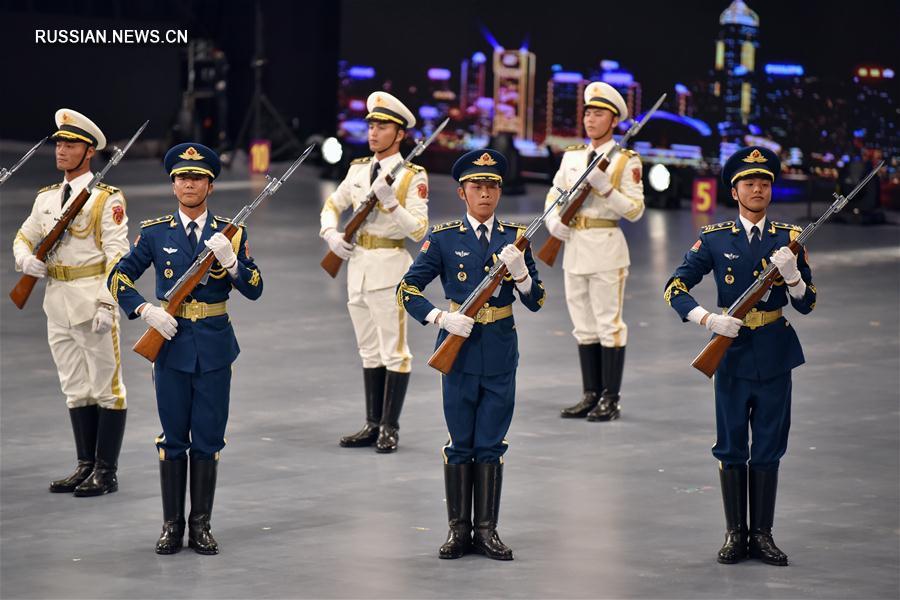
(703, 199)
(260, 156)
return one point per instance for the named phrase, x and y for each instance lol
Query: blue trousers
(763, 407)
(193, 411)
(478, 410)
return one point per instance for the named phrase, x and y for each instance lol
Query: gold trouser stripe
(488, 314)
(758, 318)
(115, 386)
(583, 222)
(372, 242)
(618, 320)
(66, 273)
(198, 310)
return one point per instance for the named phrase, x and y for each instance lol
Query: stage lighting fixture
(659, 177)
(332, 151)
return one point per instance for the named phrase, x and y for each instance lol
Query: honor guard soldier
(192, 373)
(596, 256)
(479, 392)
(82, 326)
(753, 381)
(377, 262)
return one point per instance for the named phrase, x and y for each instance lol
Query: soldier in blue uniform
(479, 393)
(193, 370)
(753, 381)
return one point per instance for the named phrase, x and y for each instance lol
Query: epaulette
(150, 222)
(49, 187)
(414, 168)
(574, 147)
(511, 224)
(786, 226)
(631, 153)
(361, 161)
(223, 219)
(108, 188)
(717, 226)
(447, 225)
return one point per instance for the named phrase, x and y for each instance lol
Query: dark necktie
(192, 237)
(375, 168)
(591, 158)
(482, 237)
(754, 240)
(67, 191)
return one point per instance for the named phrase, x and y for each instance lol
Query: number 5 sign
(704, 195)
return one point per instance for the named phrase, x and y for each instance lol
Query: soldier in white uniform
(82, 324)
(376, 264)
(596, 254)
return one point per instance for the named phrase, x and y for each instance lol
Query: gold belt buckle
(753, 320)
(60, 272)
(194, 310)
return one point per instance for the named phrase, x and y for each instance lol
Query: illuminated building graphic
(565, 108)
(683, 100)
(472, 76)
(514, 92)
(735, 63)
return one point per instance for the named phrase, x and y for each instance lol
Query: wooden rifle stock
(709, 358)
(332, 262)
(444, 357)
(25, 285)
(152, 341)
(549, 251)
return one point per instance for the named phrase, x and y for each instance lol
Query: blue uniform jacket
(723, 248)
(453, 252)
(164, 243)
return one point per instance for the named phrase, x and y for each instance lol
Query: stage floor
(629, 509)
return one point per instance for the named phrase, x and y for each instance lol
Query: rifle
(550, 249)
(709, 358)
(197, 274)
(7, 173)
(444, 357)
(22, 291)
(332, 262)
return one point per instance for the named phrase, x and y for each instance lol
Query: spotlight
(659, 177)
(332, 151)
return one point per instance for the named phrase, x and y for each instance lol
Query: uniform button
(487, 304)
(755, 273)
(729, 268)
(461, 265)
(486, 269)
(752, 310)
(168, 262)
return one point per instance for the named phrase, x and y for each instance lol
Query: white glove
(456, 323)
(157, 318)
(103, 320)
(556, 228)
(514, 259)
(385, 194)
(723, 325)
(786, 261)
(34, 267)
(337, 244)
(221, 247)
(599, 180)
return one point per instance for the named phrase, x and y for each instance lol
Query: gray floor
(623, 510)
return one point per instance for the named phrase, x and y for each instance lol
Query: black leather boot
(458, 489)
(394, 395)
(373, 380)
(733, 480)
(203, 489)
(84, 426)
(613, 360)
(591, 381)
(110, 431)
(763, 489)
(488, 484)
(172, 483)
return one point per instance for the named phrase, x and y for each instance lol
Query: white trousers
(88, 365)
(380, 327)
(595, 306)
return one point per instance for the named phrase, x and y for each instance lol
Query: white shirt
(77, 184)
(749, 225)
(475, 223)
(200, 221)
